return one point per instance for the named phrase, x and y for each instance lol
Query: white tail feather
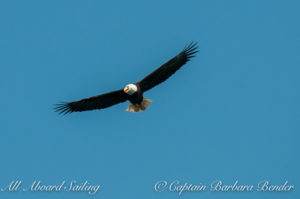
(139, 107)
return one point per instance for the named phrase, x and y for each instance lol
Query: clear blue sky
(232, 113)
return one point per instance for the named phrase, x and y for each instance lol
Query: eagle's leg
(139, 107)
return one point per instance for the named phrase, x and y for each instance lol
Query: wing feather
(169, 68)
(92, 103)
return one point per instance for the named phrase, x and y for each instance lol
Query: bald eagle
(132, 92)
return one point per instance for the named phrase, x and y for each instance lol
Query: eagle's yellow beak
(126, 89)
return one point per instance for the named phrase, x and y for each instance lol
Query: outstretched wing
(96, 102)
(169, 68)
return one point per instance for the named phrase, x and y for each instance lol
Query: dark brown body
(137, 97)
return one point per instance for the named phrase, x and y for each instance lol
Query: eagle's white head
(130, 89)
